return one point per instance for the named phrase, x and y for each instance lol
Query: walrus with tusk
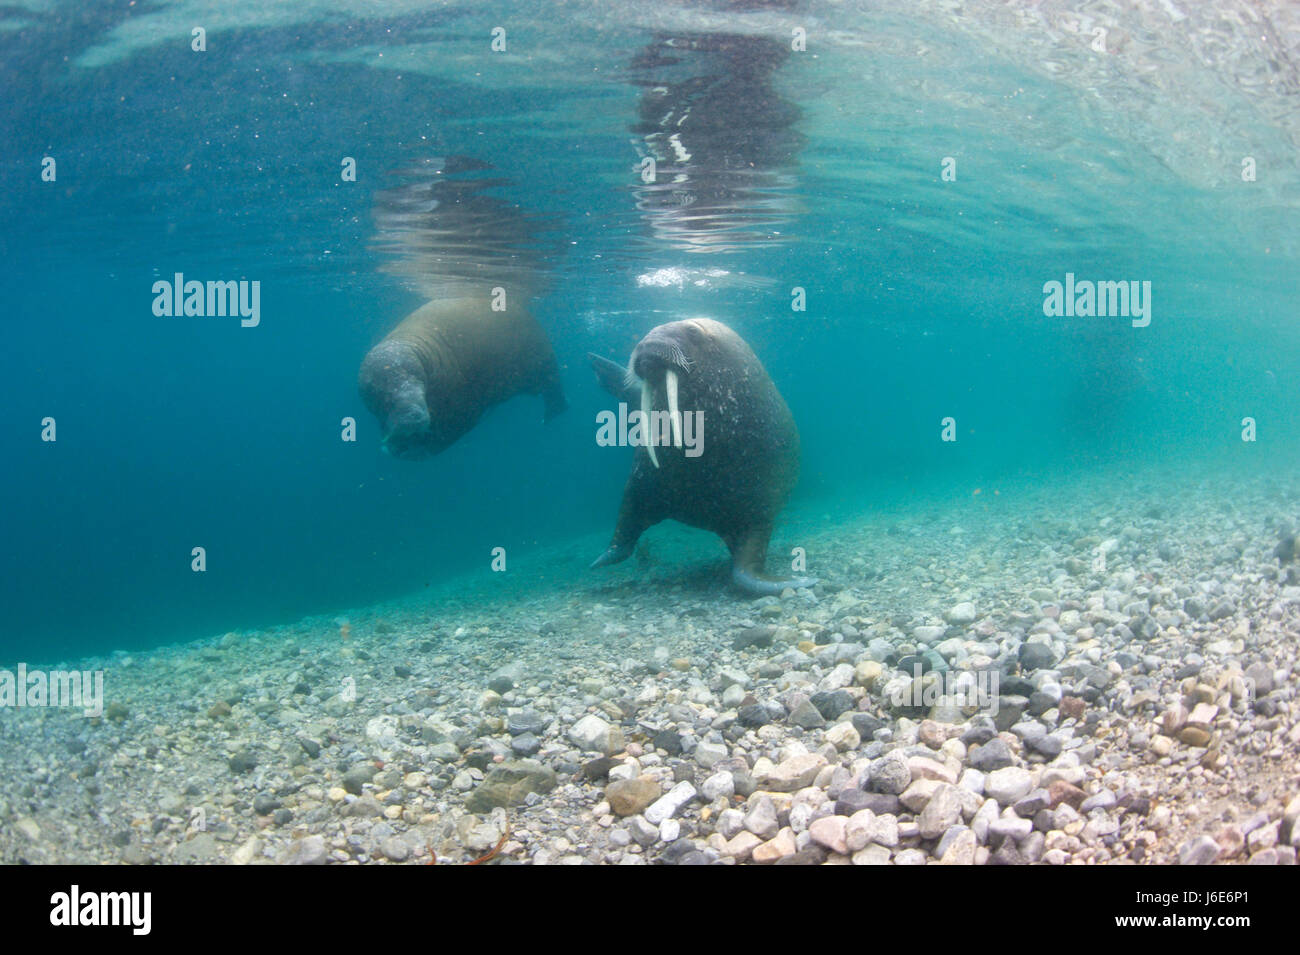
(435, 374)
(747, 462)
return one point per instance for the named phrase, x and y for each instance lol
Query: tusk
(674, 415)
(648, 430)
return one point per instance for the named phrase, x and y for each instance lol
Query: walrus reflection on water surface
(432, 377)
(743, 469)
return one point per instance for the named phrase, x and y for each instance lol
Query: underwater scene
(679, 432)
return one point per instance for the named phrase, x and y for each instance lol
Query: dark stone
(598, 769)
(831, 704)
(479, 758)
(1007, 854)
(506, 784)
(1049, 745)
(264, 805)
(676, 851)
(926, 660)
(995, 754)
(1034, 656)
(525, 744)
(812, 855)
(526, 721)
(309, 746)
(501, 684)
(855, 800)
(1029, 806)
(243, 762)
(358, 776)
(1010, 709)
(694, 857)
(401, 670)
(1015, 686)
(866, 724)
(754, 637)
(669, 741)
(1189, 669)
(282, 817)
(980, 732)
(753, 716)
(302, 688)
(744, 781)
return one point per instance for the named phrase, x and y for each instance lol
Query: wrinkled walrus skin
(749, 461)
(434, 375)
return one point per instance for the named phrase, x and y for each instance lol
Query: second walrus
(435, 374)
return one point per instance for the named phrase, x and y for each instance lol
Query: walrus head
(659, 362)
(393, 388)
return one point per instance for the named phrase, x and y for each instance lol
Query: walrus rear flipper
(556, 403)
(762, 586)
(747, 558)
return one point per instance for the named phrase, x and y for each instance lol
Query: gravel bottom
(1137, 640)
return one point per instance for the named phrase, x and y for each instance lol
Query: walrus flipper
(613, 378)
(748, 555)
(635, 516)
(553, 396)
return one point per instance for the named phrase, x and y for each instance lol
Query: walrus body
(430, 380)
(747, 462)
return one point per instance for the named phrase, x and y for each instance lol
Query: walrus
(746, 465)
(435, 374)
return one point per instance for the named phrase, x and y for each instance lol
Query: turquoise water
(819, 168)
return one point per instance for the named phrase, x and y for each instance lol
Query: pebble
(829, 831)
(761, 819)
(961, 614)
(309, 850)
(628, 797)
(670, 803)
(942, 811)
(793, 773)
(993, 755)
(1008, 785)
(1201, 850)
(780, 846)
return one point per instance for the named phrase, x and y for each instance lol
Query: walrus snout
(655, 356)
(392, 386)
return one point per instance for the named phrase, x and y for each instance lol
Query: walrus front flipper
(747, 559)
(613, 378)
(635, 515)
